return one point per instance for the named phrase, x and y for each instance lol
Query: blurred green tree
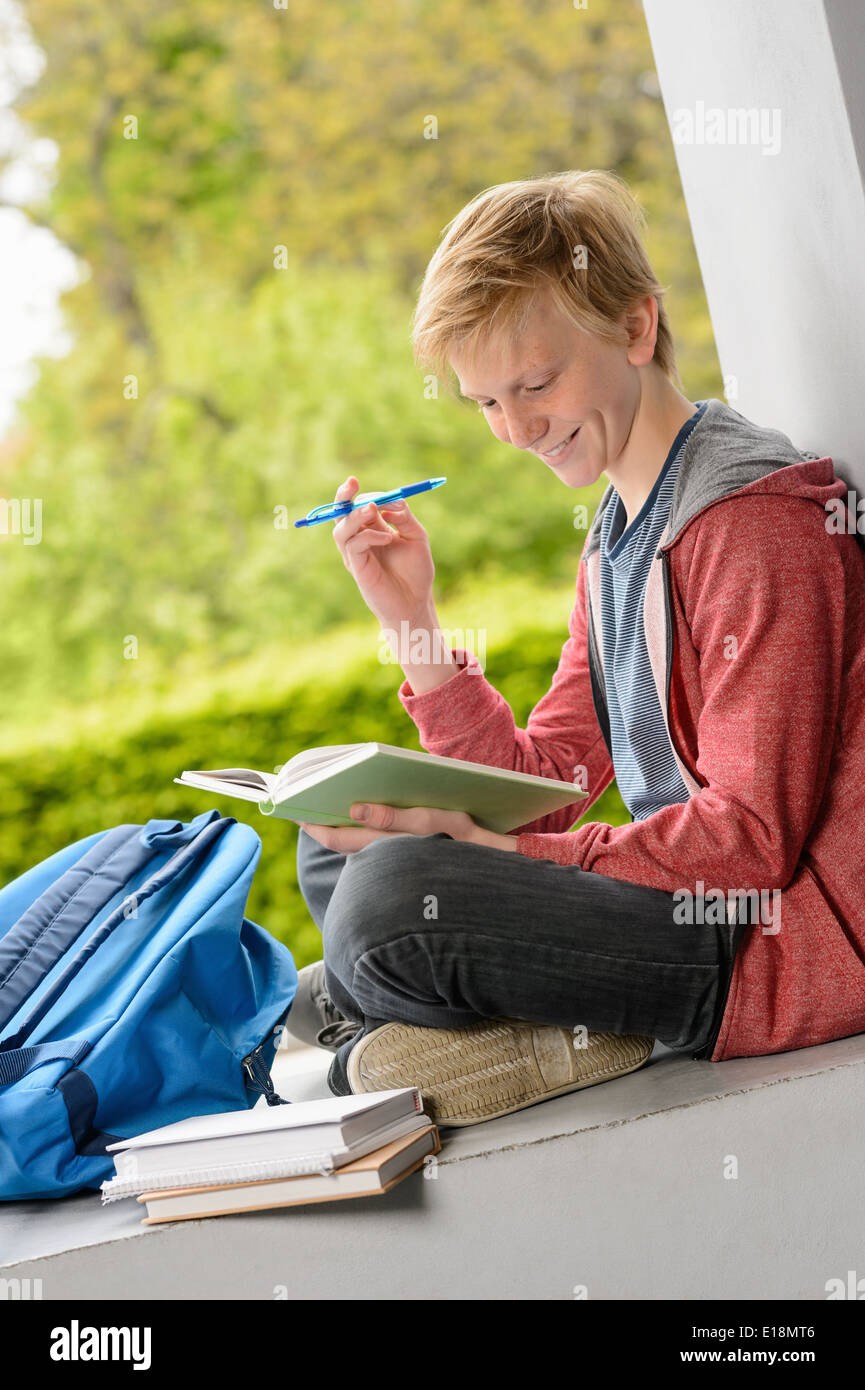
(208, 387)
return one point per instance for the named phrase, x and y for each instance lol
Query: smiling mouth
(560, 448)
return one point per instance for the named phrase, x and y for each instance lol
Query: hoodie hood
(725, 454)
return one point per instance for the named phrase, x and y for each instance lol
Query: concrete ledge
(620, 1190)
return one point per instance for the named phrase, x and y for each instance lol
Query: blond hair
(517, 238)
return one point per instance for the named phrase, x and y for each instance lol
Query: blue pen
(331, 511)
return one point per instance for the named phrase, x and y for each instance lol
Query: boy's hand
(414, 820)
(387, 552)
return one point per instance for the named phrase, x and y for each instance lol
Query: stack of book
(287, 1155)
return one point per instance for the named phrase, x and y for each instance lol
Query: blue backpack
(133, 992)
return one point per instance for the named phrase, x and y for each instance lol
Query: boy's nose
(524, 434)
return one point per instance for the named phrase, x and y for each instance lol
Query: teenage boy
(715, 666)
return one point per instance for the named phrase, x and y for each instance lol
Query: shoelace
(336, 1033)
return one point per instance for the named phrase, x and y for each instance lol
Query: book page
(240, 776)
(242, 782)
(310, 760)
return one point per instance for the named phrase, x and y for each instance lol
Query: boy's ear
(641, 323)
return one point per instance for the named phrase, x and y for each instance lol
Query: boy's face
(557, 385)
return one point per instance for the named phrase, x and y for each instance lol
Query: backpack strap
(14, 1065)
(43, 935)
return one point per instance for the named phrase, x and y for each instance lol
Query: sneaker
(489, 1069)
(313, 1017)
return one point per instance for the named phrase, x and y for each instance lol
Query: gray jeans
(428, 930)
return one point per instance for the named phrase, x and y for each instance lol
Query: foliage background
(262, 388)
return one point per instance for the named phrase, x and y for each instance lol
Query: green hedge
(52, 797)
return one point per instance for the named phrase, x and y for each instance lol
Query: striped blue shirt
(646, 771)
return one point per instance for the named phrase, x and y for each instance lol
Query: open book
(320, 785)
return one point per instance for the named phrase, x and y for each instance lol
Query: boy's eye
(485, 405)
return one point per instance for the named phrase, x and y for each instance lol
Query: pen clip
(329, 509)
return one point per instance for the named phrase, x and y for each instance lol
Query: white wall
(780, 235)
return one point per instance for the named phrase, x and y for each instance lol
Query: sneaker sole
(489, 1069)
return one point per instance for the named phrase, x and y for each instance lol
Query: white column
(766, 104)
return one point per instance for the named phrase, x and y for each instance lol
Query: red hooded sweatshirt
(754, 613)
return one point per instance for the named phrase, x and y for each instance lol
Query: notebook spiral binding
(219, 1175)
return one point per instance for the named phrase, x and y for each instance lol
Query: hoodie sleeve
(466, 717)
(762, 586)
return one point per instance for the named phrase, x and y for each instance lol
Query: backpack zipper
(258, 1077)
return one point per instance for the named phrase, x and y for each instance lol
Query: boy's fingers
(365, 540)
(344, 493)
(403, 821)
(346, 490)
(402, 519)
(366, 521)
(345, 840)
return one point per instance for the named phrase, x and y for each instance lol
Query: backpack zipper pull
(258, 1077)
